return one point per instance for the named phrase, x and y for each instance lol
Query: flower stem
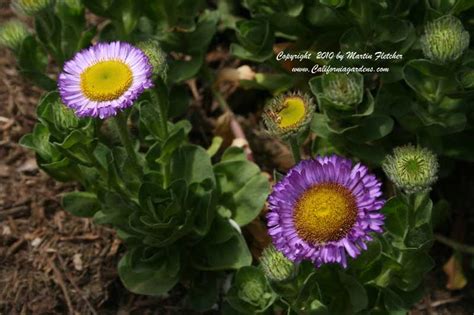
(162, 113)
(295, 149)
(121, 123)
(162, 106)
(463, 248)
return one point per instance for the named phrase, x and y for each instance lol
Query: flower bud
(64, 117)
(31, 7)
(445, 39)
(275, 265)
(254, 292)
(156, 56)
(343, 91)
(412, 169)
(12, 34)
(288, 115)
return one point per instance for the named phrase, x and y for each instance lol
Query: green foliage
(181, 209)
(178, 215)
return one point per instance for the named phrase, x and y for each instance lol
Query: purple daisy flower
(104, 79)
(324, 209)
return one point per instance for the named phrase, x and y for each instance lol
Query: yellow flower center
(325, 212)
(106, 80)
(292, 113)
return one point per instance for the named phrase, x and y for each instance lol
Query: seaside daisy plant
(129, 115)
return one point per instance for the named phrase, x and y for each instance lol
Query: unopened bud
(156, 56)
(445, 39)
(412, 169)
(31, 7)
(343, 91)
(275, 265)
(12, 34)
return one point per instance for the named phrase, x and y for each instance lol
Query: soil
(54, 263)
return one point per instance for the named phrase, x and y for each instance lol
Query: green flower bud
(445, 39)
(31, 7)
(411, 169)
(156, 56)
(254, 292)
(343, 91)
(288, 115)
(275, 265)
(64, 117)
(12, 34)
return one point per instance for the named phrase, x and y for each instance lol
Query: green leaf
(319, 125)
(243, 188)
(115, 209)
(428, 79)
(191, 163)
(150, 271)
(320, 15)
(371, 128)
(182, 70)
(357, 293)
(32, 61)
(250, 292)
(414, 267)
(369, 256)
(223, 248)
(419, 237)
(317, 308)
(273, 82)
(423, 209)
(179, 101)
(204, 291)
(256, 37)
(396, 217)
(81, 203)
(393, 302)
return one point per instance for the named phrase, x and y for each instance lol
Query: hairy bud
(411, 169)
(156, 56)
(275, 265)
(12, 34)
(445, 39)
(31, 7)
(343, 91)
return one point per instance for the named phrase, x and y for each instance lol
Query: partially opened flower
(104, 79)
(324, 209)
(288, 115)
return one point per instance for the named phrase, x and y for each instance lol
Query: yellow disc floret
(292, 112)
(106, 80)
(325, 212)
